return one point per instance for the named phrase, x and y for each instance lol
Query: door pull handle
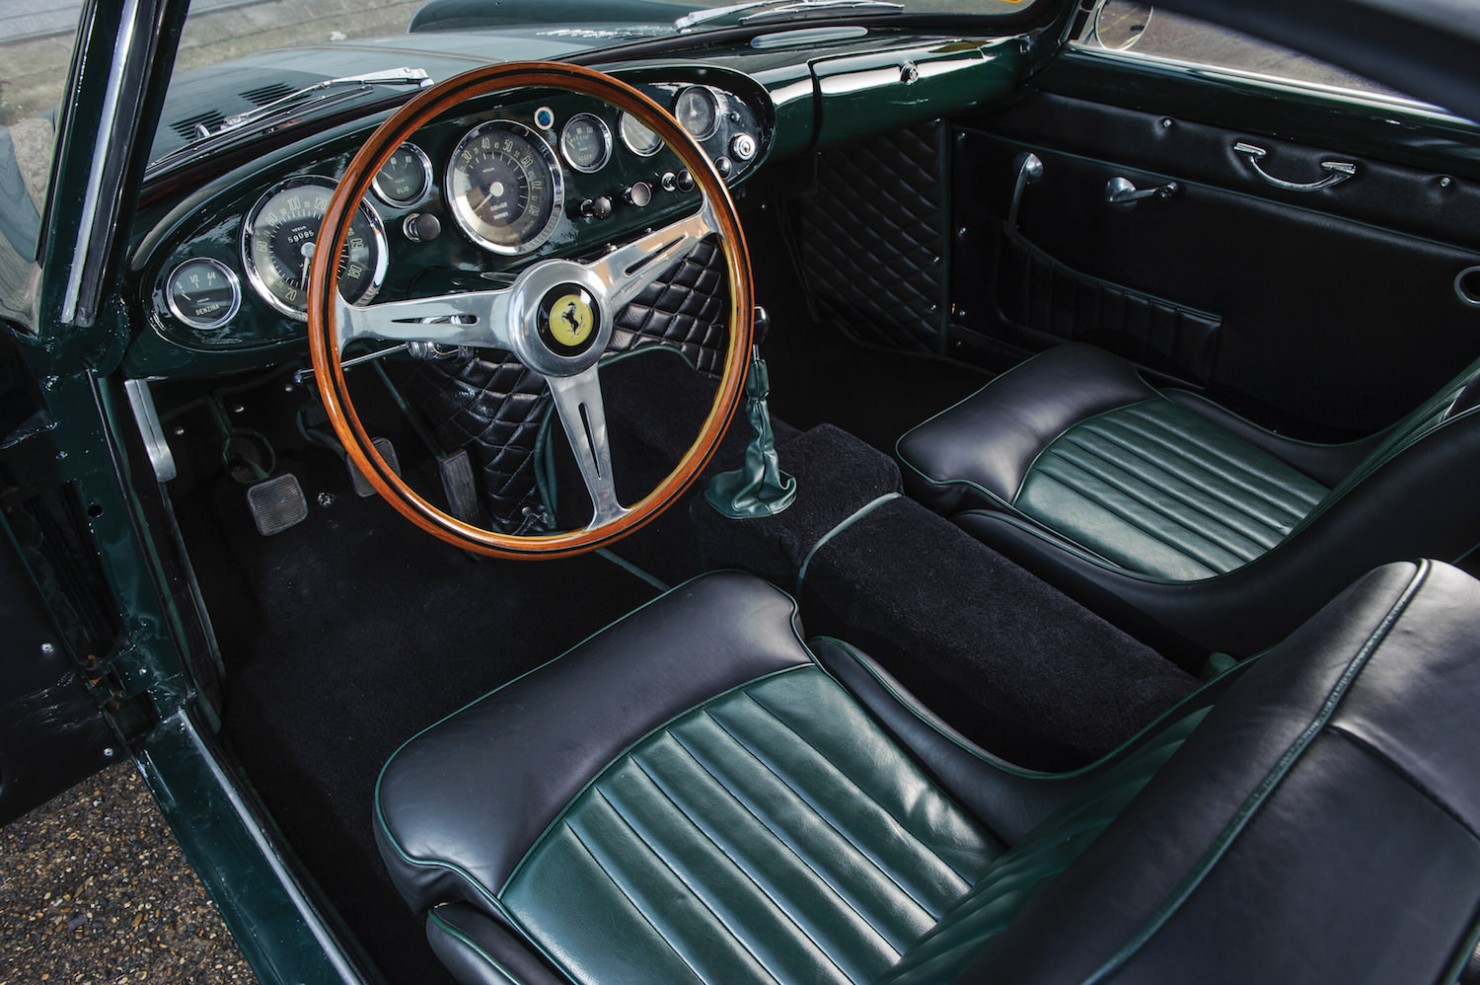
(1336, 171)
(1122, 194)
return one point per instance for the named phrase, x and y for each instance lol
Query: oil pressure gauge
(203, 293)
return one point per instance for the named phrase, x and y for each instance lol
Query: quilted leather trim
(1159, 490)
(494, 407)
(758, 880)
(871, 239)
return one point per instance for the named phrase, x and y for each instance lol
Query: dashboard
(471, 199)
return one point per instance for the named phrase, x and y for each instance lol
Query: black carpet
(818, 377)
(344, 636)
(1007, 659)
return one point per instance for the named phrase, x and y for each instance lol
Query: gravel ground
(93, 888)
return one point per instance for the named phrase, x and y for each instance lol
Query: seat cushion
(773, 833)
(687, 792)
(1158, 489)
(1075, 441)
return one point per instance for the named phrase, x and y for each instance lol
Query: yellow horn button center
(571, 320)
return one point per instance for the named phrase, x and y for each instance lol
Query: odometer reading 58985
(279, 239)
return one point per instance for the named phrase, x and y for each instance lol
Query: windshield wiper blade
(765, 9)
(329, 88)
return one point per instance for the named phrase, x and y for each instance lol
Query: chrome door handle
(1336, 171)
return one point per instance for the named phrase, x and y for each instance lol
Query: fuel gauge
(203, 293)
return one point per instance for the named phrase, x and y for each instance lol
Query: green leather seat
(695, 795)
(1180, 519)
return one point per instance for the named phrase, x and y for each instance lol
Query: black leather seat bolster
(1363, 719)
(442, 797)
(476, 948)
(1010, 800)
(1431, 483)
(1326, 463)
(948, 465)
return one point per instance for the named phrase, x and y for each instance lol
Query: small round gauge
(638, 138)
(278, 245)
(405, 177)
(698, 111)
(203, 293)
(504, 187)
(586, 142)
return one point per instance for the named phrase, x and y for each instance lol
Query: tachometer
(504, 187)
(278, 243)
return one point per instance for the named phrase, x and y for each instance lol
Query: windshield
(244, 58)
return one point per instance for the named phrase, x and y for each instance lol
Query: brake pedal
(363, 489)
(277, 504)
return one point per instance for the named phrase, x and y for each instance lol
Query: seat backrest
(1458, 396)
(1319, 825)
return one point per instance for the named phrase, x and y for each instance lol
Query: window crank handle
(1120, 193)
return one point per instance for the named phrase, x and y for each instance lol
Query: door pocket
(1045, 300)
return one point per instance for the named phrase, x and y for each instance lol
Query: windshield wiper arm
(317, 95)
(782, 8)
(321, 90)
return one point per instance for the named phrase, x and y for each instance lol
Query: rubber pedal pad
(460, 486)
(363, 489)
(277, 504)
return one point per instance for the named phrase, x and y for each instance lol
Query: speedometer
(504, 187)
(278, 241)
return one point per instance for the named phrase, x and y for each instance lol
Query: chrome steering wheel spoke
(583, 415)
(628, 270)
(477, 319)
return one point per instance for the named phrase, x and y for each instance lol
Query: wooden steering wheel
(521, 318)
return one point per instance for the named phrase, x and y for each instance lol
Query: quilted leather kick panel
(1038, 294)
(494, 407)
(871, 239)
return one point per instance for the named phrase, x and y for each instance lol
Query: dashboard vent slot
(263, 95)
(187, 128)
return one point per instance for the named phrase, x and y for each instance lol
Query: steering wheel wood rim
(323, 309)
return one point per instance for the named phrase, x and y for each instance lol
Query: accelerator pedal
(363, 489)
(460, 487)
(277, 504)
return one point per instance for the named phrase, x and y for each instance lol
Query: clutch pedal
(363, 489)
(277, 504)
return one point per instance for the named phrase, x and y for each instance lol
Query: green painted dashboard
(772, 104)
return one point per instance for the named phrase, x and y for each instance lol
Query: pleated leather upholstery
(772, 834)
(1161, 490)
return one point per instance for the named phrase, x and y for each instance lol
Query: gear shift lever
(759, 487)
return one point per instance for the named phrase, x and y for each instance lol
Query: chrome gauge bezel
(602, 129)
(698, 92)
(165, 297)
(627, 141)
(469, 223)
(426, 182)
(378, 245)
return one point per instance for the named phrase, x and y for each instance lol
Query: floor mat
(818, 377)
(345, 635)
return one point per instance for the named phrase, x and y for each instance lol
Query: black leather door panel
(1337, 307)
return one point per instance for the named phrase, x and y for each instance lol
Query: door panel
(1328, 313)
(52, 731)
